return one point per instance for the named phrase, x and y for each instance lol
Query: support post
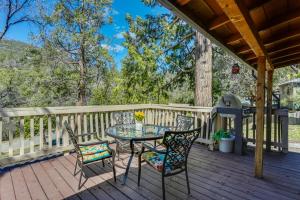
(269, 109)
(260, 104)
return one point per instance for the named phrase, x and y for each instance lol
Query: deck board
(20, 187)
(213, 176)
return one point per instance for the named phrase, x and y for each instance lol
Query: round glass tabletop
(136, 131)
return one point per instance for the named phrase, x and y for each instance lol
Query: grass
(294, 133)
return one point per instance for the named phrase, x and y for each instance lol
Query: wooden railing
(26, 133)
(279, 129)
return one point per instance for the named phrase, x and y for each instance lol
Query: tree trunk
(203, 71)
(82, 82)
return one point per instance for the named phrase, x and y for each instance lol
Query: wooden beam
(283, 46)
(280, 20)
(244, 49)
(241, 19)
(183, 2)
(218, 22)
(286, 56)
(269, 109)
(260, 107)
(279, 38)
(287, 63)
(285, 53)
(233, 39)
(286, 59)
(258, 4)
(251, 57)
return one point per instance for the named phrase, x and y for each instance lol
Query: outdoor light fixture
(235, 69)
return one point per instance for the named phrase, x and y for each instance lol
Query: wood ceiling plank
(251, 57)
(218, 22)
(282, 19)
(183, 2)
(287, 59)
(279, 38)
(283, 47)
(287, 63)
(283, 54)
(234, 38)
(243, 50)
(240, 17)
(258, 4)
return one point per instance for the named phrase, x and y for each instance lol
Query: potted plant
(139, 117)
(225, 140)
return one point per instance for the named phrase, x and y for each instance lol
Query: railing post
(49, 132)
(284, 119)
(32, 134)
(10, 138)
(1, 136)
(22, 140)
(41, 133)
(269, 110)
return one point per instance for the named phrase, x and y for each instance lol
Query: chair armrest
(86, 134)
(153, 148)
(94, 143)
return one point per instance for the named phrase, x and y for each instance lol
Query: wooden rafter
(287, 59)
(258, 4)
(240, 18)
(234, 38)
(287, 63)
(287, 53)
(183, 2)
(251, 57)
(282, 19)
(283, 47)
(218, 22)
(243, 50)
(279, 38)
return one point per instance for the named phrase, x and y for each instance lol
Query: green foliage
(142, 78)
(221, 134)
(71, 33)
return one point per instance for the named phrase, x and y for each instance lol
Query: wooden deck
(213, 175)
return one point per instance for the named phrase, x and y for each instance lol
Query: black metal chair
(123, 118)
(184, 123)
(172, 158)
(88, 153)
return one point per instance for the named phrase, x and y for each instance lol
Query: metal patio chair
(123, 118)
(171, 158)
(89, 153)
(184, 123)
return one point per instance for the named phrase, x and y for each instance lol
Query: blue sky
(22, 32)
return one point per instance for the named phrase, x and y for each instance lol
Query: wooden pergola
(263, 34)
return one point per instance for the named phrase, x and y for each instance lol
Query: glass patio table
(135, 133)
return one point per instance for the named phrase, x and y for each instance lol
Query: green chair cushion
(93, 149)
(94, 157)
(156, 160)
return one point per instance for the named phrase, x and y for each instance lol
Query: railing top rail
(38, 111)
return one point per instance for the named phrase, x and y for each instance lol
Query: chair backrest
(184, 123)
(178, 145)
(123, 118)
(72, 137)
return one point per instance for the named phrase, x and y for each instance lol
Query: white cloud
(120, 35)
(118, 48)
(115, 48)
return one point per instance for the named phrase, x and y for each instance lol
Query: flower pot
(226, 144)
(139, 126)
